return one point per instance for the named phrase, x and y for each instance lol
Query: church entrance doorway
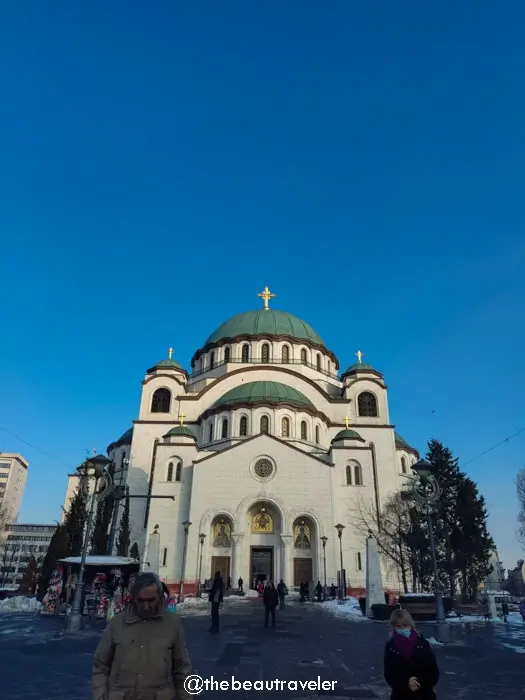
(302, 570)
(261, 565)
(221, 564)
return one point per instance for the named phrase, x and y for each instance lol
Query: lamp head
(186, 524)
(422, 468)
(202, 537)
(324, 540)
(339, 529)
(95, 466)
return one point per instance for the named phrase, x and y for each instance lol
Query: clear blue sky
(162, 162)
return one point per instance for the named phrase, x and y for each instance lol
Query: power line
(33, 447)
(498, 444)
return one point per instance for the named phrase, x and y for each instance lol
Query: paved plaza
(482, 661)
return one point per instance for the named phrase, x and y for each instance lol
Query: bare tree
(520, 492)
(8, 552)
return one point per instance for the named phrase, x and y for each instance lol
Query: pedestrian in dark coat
(215, 599)
(270, 600)
(411, 668)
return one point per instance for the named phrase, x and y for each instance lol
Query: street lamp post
(186, 524)
(342, 582)
(426, 490)
(95, 467)
(202, 537)
(324, 540)
(119, 494)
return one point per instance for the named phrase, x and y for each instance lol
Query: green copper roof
(360, 367)
(169, 364)
(263, 322)
(180, 430)
(399, 440)
(347, 435)
(272, 393)
(124, 439)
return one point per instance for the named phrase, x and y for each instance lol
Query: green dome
(124, 439)
(180, 430)
(270, 393)
(360, 367)
(263, 322)
(168, 364)
(347, 435)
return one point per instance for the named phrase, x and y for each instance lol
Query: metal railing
(261, 361)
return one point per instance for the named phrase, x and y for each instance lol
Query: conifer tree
(75, 523)
(29, 577)
(58, 549)
(123, 540)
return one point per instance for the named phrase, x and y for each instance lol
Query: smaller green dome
(180, 430)
(269, 393)
(167, 364)
(347, 435)
(124, 439)
(360, 367)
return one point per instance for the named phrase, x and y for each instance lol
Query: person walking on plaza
(240, 583)
(281, 592)
(270, 600)
(215, 598)
(410, 667)
(142, 654)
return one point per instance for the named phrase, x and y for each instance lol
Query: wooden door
(302, 570)
(221, 564)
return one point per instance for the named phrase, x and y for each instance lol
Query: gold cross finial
(347, 422)
(266, 295)
(359, 356)
(181, 419)
(170, 353)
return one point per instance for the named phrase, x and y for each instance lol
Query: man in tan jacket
(142, 654)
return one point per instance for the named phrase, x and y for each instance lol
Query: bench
(419, 609)
(478, 609)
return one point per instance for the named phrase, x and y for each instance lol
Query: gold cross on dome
(266, 295)
(170, 353)
(347, 422)
(359, 356)
(181, 419)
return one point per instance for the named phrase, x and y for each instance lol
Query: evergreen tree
(134, 551)
(58, 549)
(75, 523)
(123, 541)
(29, 577)
(99, 538)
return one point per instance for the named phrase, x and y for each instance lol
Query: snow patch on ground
(349, 609)
(514, 618)
(434, 642)
(418, 595)
(251, 594)
(20, 604)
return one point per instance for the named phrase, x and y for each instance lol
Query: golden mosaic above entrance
(262, 523)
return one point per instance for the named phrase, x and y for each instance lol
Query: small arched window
(285, 354)
(304, 430)
(212, 360)
(317, 435)
(265, 353)
(367, 405)
(265, 424)
(169, 475)
(161, 401)
(285, 427)
(318, 362)
(328, 367)
(178, 471)
(349, 475)
(245, 353)
(227, 353)
(224, 428)
(243, 427)
(403, 465)
(210, 432)
(304, 357)
(358, 475)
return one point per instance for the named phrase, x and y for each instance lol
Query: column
(236, 557)
(287, 541)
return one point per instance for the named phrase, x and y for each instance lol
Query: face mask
(404, 633)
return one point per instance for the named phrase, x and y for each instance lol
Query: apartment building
(18, 542)
(13, 477)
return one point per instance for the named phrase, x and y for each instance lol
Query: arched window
(367, 405)
(265, 353)
(265, 424)
(169, 475)
(285, 354)
(318, 362)
(328, 366)
(304, 430)
(304, 358)
(243, 427)
(161, 401)
(210, 432)
(227, 353)
(245, 353)
(224, 428)
(349, 475)
(358, 475)
(403, 465)
(285, 427)
(178, 471)
(212, 360)
(317, 435)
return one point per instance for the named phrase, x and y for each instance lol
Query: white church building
(265, 446)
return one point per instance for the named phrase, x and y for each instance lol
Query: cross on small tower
(170, 353)
(266, 295)
(181, 419)
(347, 422)
(359, 356)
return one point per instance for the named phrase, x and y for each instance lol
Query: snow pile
(251, 594)
(193, 603)
(20, 604)
(514, 618)
(349, 608)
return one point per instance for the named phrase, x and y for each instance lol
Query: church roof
(166, 364)
(402, 444)
(124, 439)
(272, 393)
(347, 435)
(180, 430)
(265, 322)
